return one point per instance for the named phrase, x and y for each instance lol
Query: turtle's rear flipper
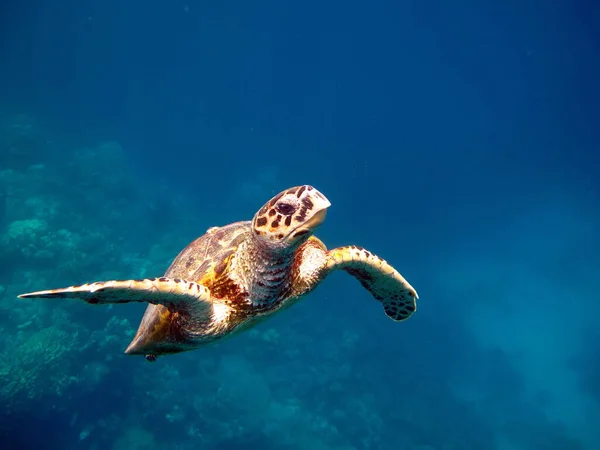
(398, 297)
(175, 294)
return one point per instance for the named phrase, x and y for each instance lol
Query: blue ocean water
(459, 140)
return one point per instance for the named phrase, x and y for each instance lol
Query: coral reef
(37, 367)
(336, 383)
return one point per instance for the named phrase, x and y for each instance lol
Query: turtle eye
(285, 208)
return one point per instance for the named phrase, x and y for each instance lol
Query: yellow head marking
(291, 216)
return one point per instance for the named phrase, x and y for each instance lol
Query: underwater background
(458, 140)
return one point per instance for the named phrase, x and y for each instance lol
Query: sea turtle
(232, 276)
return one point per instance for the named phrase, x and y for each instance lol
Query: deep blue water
(460, 141)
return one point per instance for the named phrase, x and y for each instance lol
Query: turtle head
(291, 217)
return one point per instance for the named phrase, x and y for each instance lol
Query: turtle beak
(317, 216)
(320, 204)
(316, 220)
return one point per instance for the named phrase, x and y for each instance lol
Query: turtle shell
(203, 261)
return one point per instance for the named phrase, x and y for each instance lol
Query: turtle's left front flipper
(398, 297)
(175, 294)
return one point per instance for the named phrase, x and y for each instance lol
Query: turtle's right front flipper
(175, 294)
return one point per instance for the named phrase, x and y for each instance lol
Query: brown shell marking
(206, 261)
